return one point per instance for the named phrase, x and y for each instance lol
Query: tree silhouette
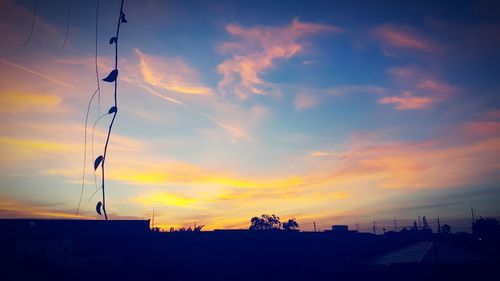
(446, 229)
(265, 222)
(291, 224)
(486, 229)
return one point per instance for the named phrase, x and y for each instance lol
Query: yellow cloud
(165, 198)
(32, 145)
(184, 173)
(12, 102)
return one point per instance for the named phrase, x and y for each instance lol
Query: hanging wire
(97, 81)
(67, 23)
(93, 156)
(98, 92)
(95, 58)
(32, 23)
(85, 152)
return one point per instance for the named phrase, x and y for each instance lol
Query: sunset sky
(327, 111)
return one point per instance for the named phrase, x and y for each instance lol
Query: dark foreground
(128, 250)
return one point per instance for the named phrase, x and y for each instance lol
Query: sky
(334, 112)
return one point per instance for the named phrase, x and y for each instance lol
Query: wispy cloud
(233, 131)
(355, 89)
(407, 101)
(257, 50)
(391, 36)
(305, 101)
(416, 89)
(171, 74)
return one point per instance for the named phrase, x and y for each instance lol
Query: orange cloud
(323, 153)
(257, 50)
(419, 89)
(170, 74)
(494, 114)
(482, 127)
(402, 37)
(13, 208)
(428, 164)
(436, 86)
(407, 101)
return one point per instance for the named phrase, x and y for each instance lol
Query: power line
(67, 23)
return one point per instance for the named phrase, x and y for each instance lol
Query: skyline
(332, 112)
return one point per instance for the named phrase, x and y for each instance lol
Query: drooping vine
(111, 78)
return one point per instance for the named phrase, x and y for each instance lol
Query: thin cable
(84, 153)
(98, 92)
(95, 59)
(67, 23)
(93, 156)
(97, 80)
(32, 23)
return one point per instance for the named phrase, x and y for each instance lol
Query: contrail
(230, 130)
(155, 93)
(37, 73)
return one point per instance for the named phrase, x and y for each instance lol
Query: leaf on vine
(113, 40)
(111, 76)
(112, 110)
(123, 18)
(98, 161)
(98, 208)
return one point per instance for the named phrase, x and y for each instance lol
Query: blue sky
(326, 111)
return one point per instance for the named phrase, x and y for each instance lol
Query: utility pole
(395, 227)
(473, 214)
(418, 221)
(424, 220)
(439, 226)
(153, 220)
(314, 223)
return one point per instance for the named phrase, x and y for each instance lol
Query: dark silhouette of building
(129, 250)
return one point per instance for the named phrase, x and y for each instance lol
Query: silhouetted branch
(112, 77)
